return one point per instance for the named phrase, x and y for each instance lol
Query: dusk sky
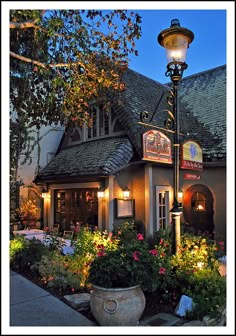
(208, 49)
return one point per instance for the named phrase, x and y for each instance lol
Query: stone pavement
(31, 305)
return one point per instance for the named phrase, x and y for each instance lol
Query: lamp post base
(175, 232)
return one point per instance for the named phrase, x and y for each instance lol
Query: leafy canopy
(62, 60)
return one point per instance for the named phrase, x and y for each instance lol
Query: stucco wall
(215, 179)
(133, 178)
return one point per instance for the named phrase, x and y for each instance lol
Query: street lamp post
(176, 41)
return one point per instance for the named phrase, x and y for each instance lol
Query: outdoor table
(39, 234)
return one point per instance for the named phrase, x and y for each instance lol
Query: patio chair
(56, 227)
(67, 234)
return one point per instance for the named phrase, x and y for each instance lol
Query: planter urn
(117, 306)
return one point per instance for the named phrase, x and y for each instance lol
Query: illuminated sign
(191, 176)
(191, 156)
(156, 147)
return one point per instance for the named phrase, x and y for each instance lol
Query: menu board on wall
(124, 208)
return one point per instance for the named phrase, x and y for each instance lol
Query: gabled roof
(202, 108)
(202, 117)
(95, 158)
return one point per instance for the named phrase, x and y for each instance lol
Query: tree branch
(45, 66)
(22, 25)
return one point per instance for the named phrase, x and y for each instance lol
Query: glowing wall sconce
(44, 193)
(100, 192)
(180, 197)
(126, 193)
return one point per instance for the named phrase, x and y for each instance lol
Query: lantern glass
(100, 193)
(126, 193)
(176, 46)
(180, 196)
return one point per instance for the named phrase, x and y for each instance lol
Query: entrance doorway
(198, 209)
(76, 207)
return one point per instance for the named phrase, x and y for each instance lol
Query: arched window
(198, 202)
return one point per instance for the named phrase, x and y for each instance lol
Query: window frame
(167, 190)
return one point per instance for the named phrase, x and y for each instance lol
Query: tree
(63, 60)
(60, 62)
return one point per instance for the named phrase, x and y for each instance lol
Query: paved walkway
(31, 305)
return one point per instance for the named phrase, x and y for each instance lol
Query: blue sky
(208, 49)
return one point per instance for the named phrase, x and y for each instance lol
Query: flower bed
(111, 258)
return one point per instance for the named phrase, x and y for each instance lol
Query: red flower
(153, 252)
(161, 241)
(135, 255)
(162, 270)
(101, 254)
(140, 236)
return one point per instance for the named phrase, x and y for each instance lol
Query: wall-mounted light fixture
(126, 193)
(44, 193)
(180, 197)
(100, 192)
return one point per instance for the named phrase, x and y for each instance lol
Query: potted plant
(118, 278)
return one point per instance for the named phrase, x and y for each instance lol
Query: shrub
(17, 245)
(126, 231)
(25, 253)
(130, 264)
(89, 244)
(64, 272)
(207, 288)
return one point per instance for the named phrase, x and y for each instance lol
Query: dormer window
(103, 123)
(100, 124)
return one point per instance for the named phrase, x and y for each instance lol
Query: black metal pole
(176, 211)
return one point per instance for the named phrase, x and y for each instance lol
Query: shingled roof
(202, 118)
(202, 109)
(95, 158)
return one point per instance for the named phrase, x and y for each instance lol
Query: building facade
(120, 152)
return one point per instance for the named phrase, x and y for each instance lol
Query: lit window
(198, 202)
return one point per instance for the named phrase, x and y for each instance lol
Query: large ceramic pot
(117, 306)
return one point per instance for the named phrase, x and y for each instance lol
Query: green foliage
(130, 264)
(63, 59)
(91, 243)
(207, 288)
(196, 252)
(56, 273)
(103, 259)
(17, 245)
(25, 253)
(126, 231)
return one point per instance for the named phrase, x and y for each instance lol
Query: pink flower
(139, 236)
(162, 270)
(135, 255)
(110, 234)
(153, 252)
(161, 241)
(101, 254)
